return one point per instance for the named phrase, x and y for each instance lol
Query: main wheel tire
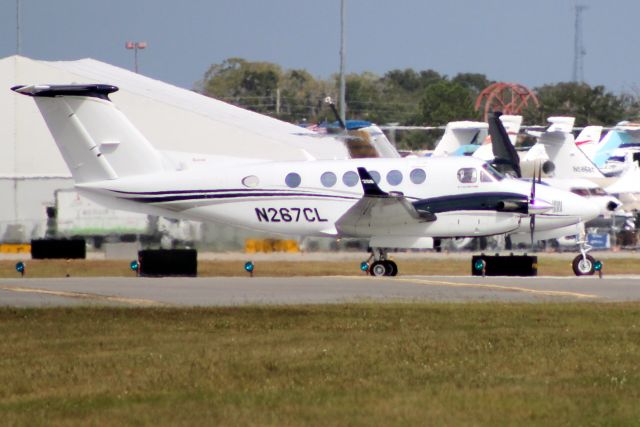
(378, 268)
(583, 266)
(392, 268)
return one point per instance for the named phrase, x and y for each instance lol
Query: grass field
(387, 364)
(547, 265)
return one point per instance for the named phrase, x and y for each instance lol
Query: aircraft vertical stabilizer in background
(511, 125)
(461, 138)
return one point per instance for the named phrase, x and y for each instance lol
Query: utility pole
(343, 53)
(578, 46)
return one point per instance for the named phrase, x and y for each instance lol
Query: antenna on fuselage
(332, 105)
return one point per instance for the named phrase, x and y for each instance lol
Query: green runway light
(597, 266)
(134, 265)
(20, 267)
(364, 266)
(479, 264)
(248, 266)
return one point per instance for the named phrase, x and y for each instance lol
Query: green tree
(446, 101)
(301, 96)
(589, 105)
(364, 97)
(251, 85)
(473, 81)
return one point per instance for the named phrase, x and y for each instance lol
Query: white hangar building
(172, 118)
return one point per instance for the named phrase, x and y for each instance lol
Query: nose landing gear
(382, 266)
(584, 264)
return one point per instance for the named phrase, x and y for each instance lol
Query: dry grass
(428, 266)
(402, 364)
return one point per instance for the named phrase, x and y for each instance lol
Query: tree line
(403, 97)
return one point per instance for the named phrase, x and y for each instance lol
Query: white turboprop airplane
(395, 203)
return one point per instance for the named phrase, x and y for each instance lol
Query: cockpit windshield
(493, 172)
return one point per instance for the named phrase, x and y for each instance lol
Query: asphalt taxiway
(234, 291)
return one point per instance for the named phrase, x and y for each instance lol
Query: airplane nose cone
(612, 206)
(588, 209)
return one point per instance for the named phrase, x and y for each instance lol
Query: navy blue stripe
(153, 193)
(164, 199)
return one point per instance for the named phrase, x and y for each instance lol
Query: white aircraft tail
(512, 124)
(96, 140)
(566, 159)
(589, 140)
(457, 135)
(561, 124)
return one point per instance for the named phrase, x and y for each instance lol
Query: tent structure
(172, 118)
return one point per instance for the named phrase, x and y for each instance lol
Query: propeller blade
(539, 172)
(532, 228)
(533, 187)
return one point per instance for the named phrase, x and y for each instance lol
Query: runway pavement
(235, 291)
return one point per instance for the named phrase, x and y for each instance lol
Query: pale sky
(523, 41)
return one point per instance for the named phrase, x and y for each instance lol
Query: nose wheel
(584, 264)
(381, 266)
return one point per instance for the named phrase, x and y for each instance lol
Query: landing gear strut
(583, 264)
(382, 266)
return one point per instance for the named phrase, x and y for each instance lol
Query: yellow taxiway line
(492, 286)
(499, 288)
(83, 295)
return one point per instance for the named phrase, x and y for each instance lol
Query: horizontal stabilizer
(91, 90)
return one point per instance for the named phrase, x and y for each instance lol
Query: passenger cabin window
(328, 179)
(293, 180)
(375, 175)
(350, 178)
(468, 175)
(394, 177)
(250, 181)
(418, 176)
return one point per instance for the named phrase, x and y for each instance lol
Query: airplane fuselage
(310, 198)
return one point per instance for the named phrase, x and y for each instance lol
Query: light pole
(17, 27)
(135, 46)
(343, 54)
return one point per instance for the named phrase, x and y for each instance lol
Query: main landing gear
(381, 266)
(584, 264)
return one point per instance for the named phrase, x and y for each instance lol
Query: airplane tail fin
(567, 160)
(512, 125)
(458, 135)
(96, 140)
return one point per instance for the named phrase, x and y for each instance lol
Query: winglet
(369, 184)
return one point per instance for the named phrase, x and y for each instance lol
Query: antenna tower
(578, 46)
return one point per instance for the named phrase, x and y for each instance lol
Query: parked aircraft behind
(395, 203)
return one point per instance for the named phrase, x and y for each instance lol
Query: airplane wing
(380, 210)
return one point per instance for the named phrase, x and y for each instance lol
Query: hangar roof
(170, 117)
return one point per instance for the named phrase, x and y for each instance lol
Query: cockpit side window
(484, 177)
(584, 192)
(468, 175)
